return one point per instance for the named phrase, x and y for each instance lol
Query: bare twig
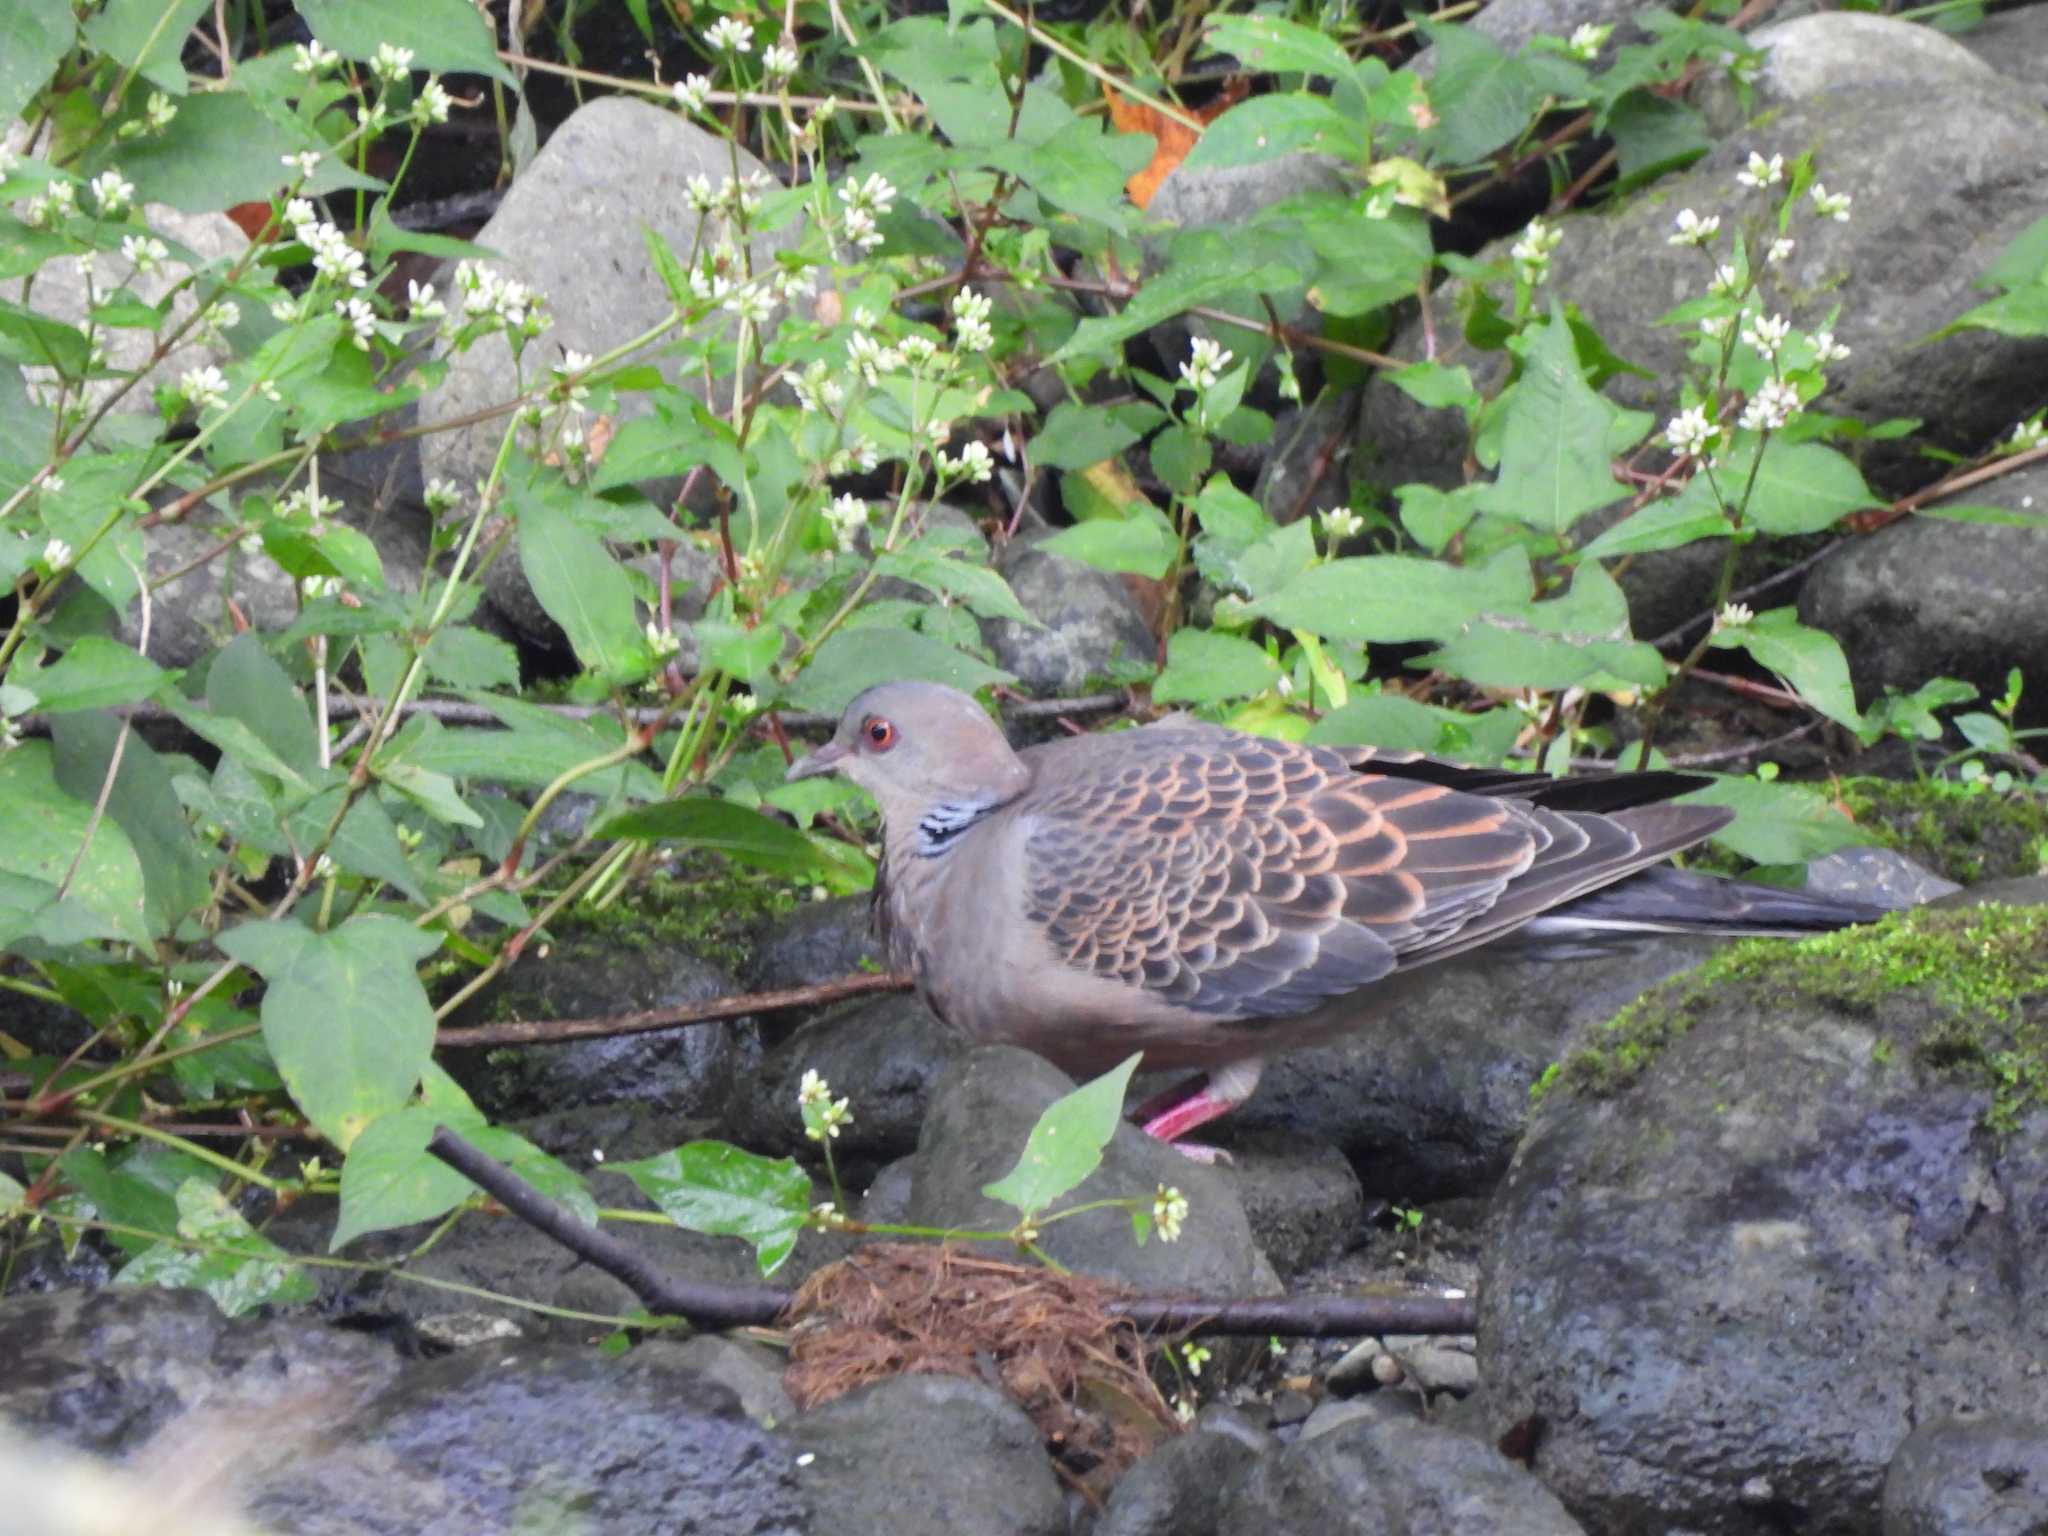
(727, 1306)
(554, 1031)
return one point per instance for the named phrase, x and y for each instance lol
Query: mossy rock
(1982, 971)
(1965, 832)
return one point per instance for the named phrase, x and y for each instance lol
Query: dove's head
(919, 748)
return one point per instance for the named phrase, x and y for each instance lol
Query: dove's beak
(825, 760)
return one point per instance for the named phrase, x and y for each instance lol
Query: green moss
(1968, 834)
(1983, 970)
(704, 905)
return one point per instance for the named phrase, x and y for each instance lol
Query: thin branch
(728, 1306)
(554, 1031)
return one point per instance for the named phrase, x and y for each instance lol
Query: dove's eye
(880, 734)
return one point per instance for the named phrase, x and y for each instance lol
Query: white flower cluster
(816, 388)
(391, 64)
(692, 92)
(848, 515)
(866, 202)
(729, 34)
(1206, 361)
(973, 463)
(1169, 1212)
(1690, 433)
(1532, 252)
(111, 192)
(823, 1114)
(487, 295)
(971, 329)
(206, 388)
(1773, 404)
(1760, 173)
(58, 199)
(1695, 230)
(334, 255)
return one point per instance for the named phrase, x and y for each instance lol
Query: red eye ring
(879, 733)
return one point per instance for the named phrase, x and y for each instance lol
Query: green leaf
(1578, 640)
(35, 339)
(442, 34)
(582, 589)
(147, 36)
(1263, 128)
(1437, 386)
(435, 793)
(366, 843)
(221, 149)
(1204, 667)
(144, 803)
(1559, 439)
(1998, 517)
(1810, 660)
(856, 659)
(136, 1186)
(1066, 1144)
(1143, 543)
(709, 1186)
(1654, 136)
(469, 658)
(239, 1267)
(1383, 720)
(1075, 436)
(537, 748)
(747, 654)
(95, 673)
(344, 1014)
(2024, 261)
(1778, 823)
(1666, 524)
(2023, 313)
(1268, 45)
(34, 37)
(95, 485)
(46, 829)
(1483, 98)
(1385, 599)
(390, 1178)
(1800, 488)
(703, 821)
(981, 589)
(1432, 517)
(245, 684)
(1183, 285)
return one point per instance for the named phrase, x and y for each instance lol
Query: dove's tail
(1666, 900)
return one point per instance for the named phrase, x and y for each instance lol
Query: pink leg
(1198, 1101)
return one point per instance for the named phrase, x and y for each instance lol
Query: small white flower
(664, 643)
(1830, 205)
(779, 60)
(752, 303)
(861, 229)
(700, 193)
(1690, 433)
(1726, 279)
(2026, 436)
(1194, 1356)
(52, 484)
(847, 515)
(323, 867)
(305, 162)
(1694, 230)
(111, 192)
(1760, 173)
(970, 321)
(1732, 616)
(311, 58)
(1169, 1211)
(743, 704)
(1779, 251)
(876, 194)
(729, 34)
(159, 111)
(1339, 524)
(316, 587)
(1828, 350)
(420, 302)
(1716, 327)
(391, 63)
(251, 544)
(360, 319)
(1767, 334)
(222, 315)
(433, 104)
(145, 252)
(285, 311)
(63, 196)
(300, 211)
(1587, 40)
(441, 496)
(691, 93)
(1771, 406)
(974, 462)
(1531, 252)
(206, 388)
(56, 554)
(1206, 361)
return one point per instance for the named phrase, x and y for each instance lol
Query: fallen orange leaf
(1172, 139)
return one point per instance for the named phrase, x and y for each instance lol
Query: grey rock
(2027, 891)
(508, 1436)
(1809, 56)
(685, 1070)
(1333, 1414)
(1378, 1475)
(114, 1371)
(884, 1055)
(1090, 626)
(1435, 1368)
(1983, 1476)
(1304, 467)
(1766, 1256)
(1925, 598)
(981, 1114)
(1429, 1102)
(1884, 877)
(928, 1456)
(887, 1197)
(1208, 197)
(2015, 43)
(1301, 1197)
(572, 227)
(1177, 1490)
(818, 941)
(751, 1372)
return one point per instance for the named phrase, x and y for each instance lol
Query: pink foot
(1195, 1103)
